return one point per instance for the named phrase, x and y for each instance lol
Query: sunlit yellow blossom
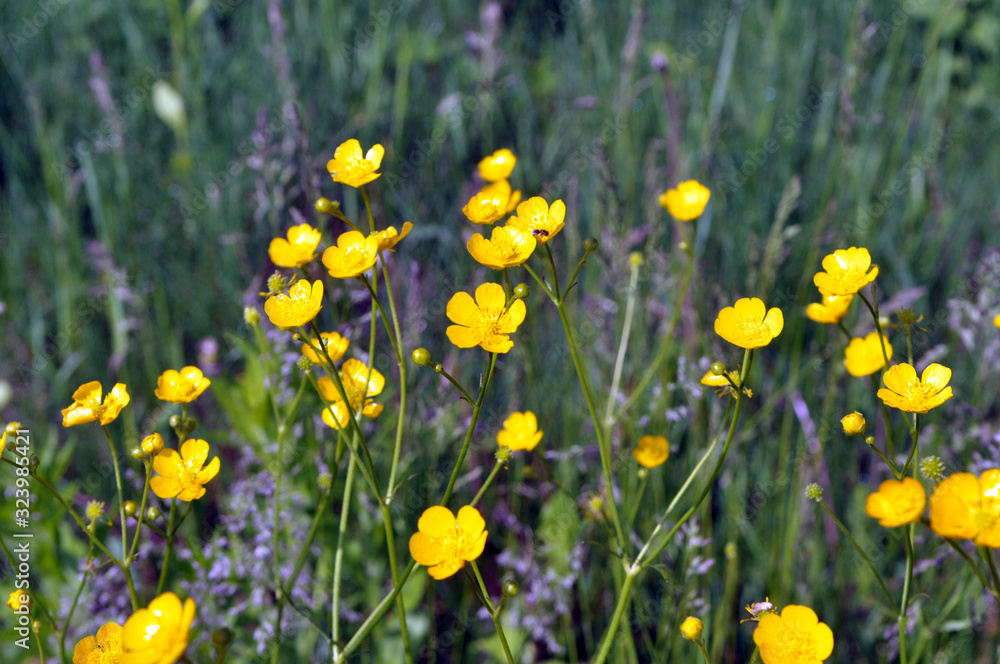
(497, 166)
(389, 238)
(349, 167)
(298, 249)
(687, 201)
(520, 431)
(794, 637)
(903, 391)
(105, 648)
(353, 255)
(19, 598)
(846, 271)
(831, 310)
(491, 203)
(507, 247)
(354, 376)
(651, 451)
(484, 322)
(691, 628)
(443, 543)
(336, 346)
(88, 407)
(182, 386)
(158, 634)
(863, 357)
(535, 216)
(964, 507)
(183, 475)
(897, 503)
(299, 306)
(748, 324)
(996, 320)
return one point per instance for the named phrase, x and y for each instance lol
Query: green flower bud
(153, 514)
(326, 206)
(175, 421)
(814, 492)
(869, 440)
(932, 468)
(304, 364)
(591, 244)
(251, 316)
(521, 291)
(642, 473)
(223, 636)
(421, 357)
(131, 509)
(33, 463)
(276, 283)
(717, 368)
(510, 588)
(439, 367)
(136, 453)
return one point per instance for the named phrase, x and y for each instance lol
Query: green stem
(170, 548)
(376, 616)
(476, 408)
(890, 446)
(602, 443)
(704, 652)
(494, 614)
(345, 506)
(139, 515)
(878, 324)
(393, 566)
(486, 484)
(665, 340)
(555, 273)
(612, 631)
(72, 608)
(861, 551)
(121, 514)
(638, 500)
(988, 555)
(609, 408)
(904, 603)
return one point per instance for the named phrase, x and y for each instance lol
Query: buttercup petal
(437, 521)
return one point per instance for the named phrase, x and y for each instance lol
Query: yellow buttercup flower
(19, 598)
(354, 376)
(389, 238)
(687, 201)
(353, 255)
(535, 216)
(484, 322)
(158, 634)
(897, 503)
(691, 628)
(903, 391)
(508, 247)
(964, 507)
(298, 249)
(520, 431)
(299, 306)
(88, 407)
(491, 203)
(846, 271)
(651, 451)
(105, 648)
(723, 386)
(854, 424)
(183, 475)
(443, 543)
(831, 310)
(863, 357)
(336, 346)
(497, 166)
(349, 167)
(748, 324)
(794, 637)
(182, 386)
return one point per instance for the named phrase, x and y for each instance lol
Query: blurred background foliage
(151, 150)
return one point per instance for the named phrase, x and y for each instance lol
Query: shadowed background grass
(130, 245)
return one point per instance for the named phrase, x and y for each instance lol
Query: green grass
(115, 263)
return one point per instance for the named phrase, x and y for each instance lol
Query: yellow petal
(437, 521)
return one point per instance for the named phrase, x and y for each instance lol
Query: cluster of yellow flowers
(157, 634)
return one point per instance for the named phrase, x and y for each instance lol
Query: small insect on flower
(796, 636)
(106, 647)
(756, 609)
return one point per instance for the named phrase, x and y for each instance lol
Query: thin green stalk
(393, 566)
(376, 615)
(609, 636)
(609, 408)
(476, 408)
(121, 514)
(72, 608)
(861, 551)
(704, 652)
(338, 559)
(170, 548)
(638, 500)
(904, 603)
(988, 555)
(665, 340)
(878, 324)
(602, 443)
(494, 614)
(890, 446)
(140, 513)
(680, 493)
(486, 484)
